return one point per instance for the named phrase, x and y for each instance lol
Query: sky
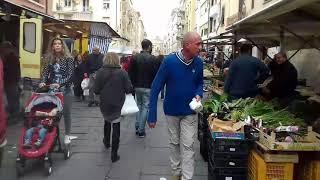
(155, 15)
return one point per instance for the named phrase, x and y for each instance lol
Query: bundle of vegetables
(215, 104)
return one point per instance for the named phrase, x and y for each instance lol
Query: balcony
(82, 16)
(235, 17)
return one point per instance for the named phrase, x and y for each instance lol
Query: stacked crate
(228, 159)
(259, 169)
(203, 134)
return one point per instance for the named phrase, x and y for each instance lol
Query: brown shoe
(176, 178)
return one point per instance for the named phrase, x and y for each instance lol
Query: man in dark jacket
(95, 62)
(244, 74)
(142, 71)
(284, 78)
(3, 120)
(12, 75)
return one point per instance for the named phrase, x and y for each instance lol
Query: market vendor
(284, 78)
(245, 72)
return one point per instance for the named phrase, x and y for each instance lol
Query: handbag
(129, 106)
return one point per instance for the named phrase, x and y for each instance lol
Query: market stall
(257, 139)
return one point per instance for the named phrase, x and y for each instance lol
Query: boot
(115, 157)
(115, 142)
(106, 131)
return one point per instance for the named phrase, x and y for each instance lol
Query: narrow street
(140, 159)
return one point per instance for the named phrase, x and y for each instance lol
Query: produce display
(265, 116)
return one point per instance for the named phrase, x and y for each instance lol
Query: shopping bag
(85, 86)
(129, 106)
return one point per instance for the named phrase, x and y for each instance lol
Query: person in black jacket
(284, 78)
(95, 61)
(78, 75)
(142, 71)
(112, 84)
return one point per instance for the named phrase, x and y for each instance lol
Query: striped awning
(100, 36)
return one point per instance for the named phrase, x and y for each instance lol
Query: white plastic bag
(195, 105)
(129, 106)
(85, 86)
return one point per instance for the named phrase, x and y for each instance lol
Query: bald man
(182, 74)
(95, 62)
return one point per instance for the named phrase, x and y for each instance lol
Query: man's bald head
(190, 37)
(192, 44)
(95, 50)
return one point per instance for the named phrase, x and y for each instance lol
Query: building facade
(43, 6)
(176, 29)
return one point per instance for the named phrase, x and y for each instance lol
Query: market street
(140, 159)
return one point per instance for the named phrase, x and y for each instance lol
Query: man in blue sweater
(182, 74)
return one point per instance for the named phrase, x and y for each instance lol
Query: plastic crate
(309, 170)
(228, 160)
(230, 146)
(204, 146)
(258, 169)
(226, 173)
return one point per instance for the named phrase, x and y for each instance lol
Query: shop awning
(16, 10)
(75, 28)
(293, 24)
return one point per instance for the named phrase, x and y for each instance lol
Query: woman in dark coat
(80, 70)
(112, 84)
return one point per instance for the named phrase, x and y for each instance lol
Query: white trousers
(182, 132)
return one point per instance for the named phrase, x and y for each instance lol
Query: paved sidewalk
(140, 159)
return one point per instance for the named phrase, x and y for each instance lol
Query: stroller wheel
(19, 169)
(20, 164)
(67, 153)
(48, 168)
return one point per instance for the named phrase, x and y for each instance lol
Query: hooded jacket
(112, 84)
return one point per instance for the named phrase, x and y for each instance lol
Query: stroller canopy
(39, 98)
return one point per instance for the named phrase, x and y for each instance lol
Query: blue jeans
(42, 133)
(142, 98)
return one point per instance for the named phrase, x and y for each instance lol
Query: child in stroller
(45, 124)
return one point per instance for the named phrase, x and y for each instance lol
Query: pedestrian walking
(95, 61)
(142, 72)
(58, 73)
(112, 84)
(78, 76)
(160, 60)
(3, 119)
(182, 73)
(12, 76)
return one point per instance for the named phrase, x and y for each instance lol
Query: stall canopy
(100, 34)
(291, 24)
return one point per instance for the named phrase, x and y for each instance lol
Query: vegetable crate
(226, 173)
(258, 169)
(311, 142)
(230, 146)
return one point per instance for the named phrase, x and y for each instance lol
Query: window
(86, 5)
(210, 25)
(214, 25)
(67, 3)
(252, 4)
(106, 5)
(29, 37)
(38, 1)
(222, 15)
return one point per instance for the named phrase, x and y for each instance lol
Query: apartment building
(43, 6)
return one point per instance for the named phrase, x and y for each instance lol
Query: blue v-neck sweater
(183, 82)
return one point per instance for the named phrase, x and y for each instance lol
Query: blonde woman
(112, 84)
(58, 74)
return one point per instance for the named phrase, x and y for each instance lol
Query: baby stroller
(44, 103)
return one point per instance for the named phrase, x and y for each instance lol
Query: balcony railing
(82, 16)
